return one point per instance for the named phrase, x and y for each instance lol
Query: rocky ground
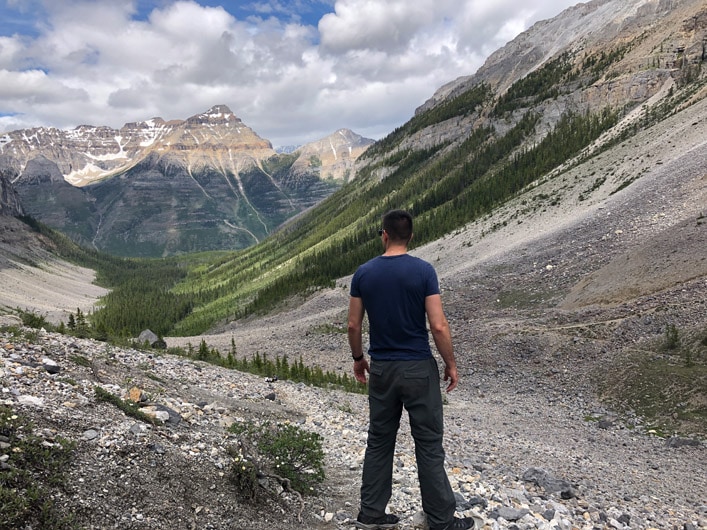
(531, 448)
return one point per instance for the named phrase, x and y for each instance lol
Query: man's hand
(360, 369)
(443, 338)
(450, 374)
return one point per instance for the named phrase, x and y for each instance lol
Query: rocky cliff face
(637, 48)
(9, 200)
(88, 154)
(159, 187)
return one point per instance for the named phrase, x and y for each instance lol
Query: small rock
(50, 366)
(90, 434)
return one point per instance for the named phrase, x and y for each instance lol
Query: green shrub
(80, 360)
(283, 451)
(35, 469)
(296, 454)
(672, 337)
(34, 320)
(129, 408)
(244, 475)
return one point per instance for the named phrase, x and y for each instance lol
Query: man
(399, 292)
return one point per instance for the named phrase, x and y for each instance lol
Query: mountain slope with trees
(478, 143)
(546, 122)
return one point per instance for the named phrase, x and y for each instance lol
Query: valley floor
(53, 290)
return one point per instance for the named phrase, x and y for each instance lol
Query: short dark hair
(398, 225)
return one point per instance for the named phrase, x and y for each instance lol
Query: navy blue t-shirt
(393, 290)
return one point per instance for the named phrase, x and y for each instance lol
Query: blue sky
(23, 16)
(292, 70)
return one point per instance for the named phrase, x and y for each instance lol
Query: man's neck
(395, 250)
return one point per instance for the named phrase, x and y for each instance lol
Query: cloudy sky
(292, 70)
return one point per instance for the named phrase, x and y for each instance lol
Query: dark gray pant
(414, 385)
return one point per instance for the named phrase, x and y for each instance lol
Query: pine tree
(203, 353)
(81, 329)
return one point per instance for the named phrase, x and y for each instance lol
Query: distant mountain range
(156, 187)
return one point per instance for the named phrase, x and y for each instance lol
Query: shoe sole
(375, 526)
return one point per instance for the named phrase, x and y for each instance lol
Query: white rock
(31, 401)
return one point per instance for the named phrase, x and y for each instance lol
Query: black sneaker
(464, 523)
(376, 523)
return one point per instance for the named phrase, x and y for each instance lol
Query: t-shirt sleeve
(432, 283)
(355, 290)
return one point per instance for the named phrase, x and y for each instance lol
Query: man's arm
(355, 331)
(442, 337)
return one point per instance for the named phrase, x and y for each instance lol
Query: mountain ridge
(589, 24)
(156, 188)
(633, 60)
(87, 154)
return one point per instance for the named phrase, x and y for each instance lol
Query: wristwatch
(356, 359)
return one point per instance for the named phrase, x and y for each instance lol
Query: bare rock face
(332, 157)
(589, 27)
(647, 44)
(9, 200)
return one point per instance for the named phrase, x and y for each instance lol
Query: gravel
(520, 450)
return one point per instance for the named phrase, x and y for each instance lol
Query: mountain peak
(211, 168)
(216, 115)
(334, 155)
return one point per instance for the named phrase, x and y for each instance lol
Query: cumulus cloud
(389, 26)
(292, 70)
(36, 87)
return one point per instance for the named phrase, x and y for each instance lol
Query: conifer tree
(203, 353)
